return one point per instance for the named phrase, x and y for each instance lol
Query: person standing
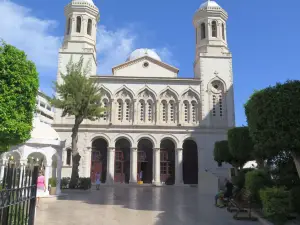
(98, 176)
(41, 188)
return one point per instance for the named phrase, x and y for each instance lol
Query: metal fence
(18, 195)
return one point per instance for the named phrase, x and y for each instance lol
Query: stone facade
(146, 100)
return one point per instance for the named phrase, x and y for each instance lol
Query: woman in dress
(41, 187)
(98, 180)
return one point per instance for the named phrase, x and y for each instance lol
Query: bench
(241, 202)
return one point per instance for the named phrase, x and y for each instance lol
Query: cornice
(162, 64)
(139, 129)
(148, 80)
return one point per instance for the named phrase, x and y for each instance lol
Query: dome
(141, 52)
(43, 131)
(209, 3)
(87, 1)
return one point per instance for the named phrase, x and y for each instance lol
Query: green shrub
(64, 183)
(239, 180)
(52, 181)
(295, 198)
(84, 183)
(275, 203)
(256, 180)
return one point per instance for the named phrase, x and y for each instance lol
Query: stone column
(133, 165)
(178, 167)
(3, 164)
(23, 164)
(110, 165)
(156, 165)
(58, 176)
(48, 167)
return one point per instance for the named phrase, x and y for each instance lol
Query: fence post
(33, 196)
(7, 184)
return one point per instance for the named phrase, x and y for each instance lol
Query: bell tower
(82, 17)
(213, 65)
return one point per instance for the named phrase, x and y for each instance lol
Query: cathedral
(159, 128)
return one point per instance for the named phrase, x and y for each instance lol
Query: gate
(96, 165)
(119, 167)
(18, 195)
(167, 173)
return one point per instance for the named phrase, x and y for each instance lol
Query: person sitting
(224, 194)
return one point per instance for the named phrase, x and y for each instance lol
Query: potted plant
(52, 182)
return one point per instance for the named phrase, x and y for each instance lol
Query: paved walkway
(128, 205)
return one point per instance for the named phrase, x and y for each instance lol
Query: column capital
(134, 149)
(111, 149)
(23, 162)
(179, 149)
(156, 149)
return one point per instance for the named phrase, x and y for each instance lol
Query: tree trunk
(75, 155)
(296, 158)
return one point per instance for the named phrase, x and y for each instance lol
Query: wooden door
(166, 168)
(96, 165)
(119, 167)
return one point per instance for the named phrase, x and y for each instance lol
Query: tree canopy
(221, 152)
(78, 96)
(19, 86)
(240, 144)
(273, 118)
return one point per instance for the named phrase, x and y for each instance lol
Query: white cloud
(29, 33)
(113, 47)
(33, 35)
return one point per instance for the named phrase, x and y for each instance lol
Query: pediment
(145, 67)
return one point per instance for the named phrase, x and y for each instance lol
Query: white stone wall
(204, 138)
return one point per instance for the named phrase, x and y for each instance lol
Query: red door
(166, 168)
(119, 167)
(96, 165)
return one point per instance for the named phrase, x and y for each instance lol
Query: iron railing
(18, 195)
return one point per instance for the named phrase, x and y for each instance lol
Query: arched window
(223, 31)
(120, 110)
(203, 34)
(142, 111)
(69, 26)
(221, 105)
(150, 111)
(78, 24)
(69, 156)
(186, 111)
(127, 110)
(214, 29)
(89, 27)
(105, 106)
(194, 111)
(214, 105)
(164, 111)
(172, 111)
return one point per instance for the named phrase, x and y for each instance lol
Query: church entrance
(99, 159)
(122, 161)
(145, 160)
(190, 162)
(167, 162)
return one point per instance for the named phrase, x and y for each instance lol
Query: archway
(99, 159)
(190, 162)
(122, 161)
(145, 160)
(167, 162)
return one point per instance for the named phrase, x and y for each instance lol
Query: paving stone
(128, 205)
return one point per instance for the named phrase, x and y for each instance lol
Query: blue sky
(263, 37)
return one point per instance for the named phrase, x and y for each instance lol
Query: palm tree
(80, 97)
